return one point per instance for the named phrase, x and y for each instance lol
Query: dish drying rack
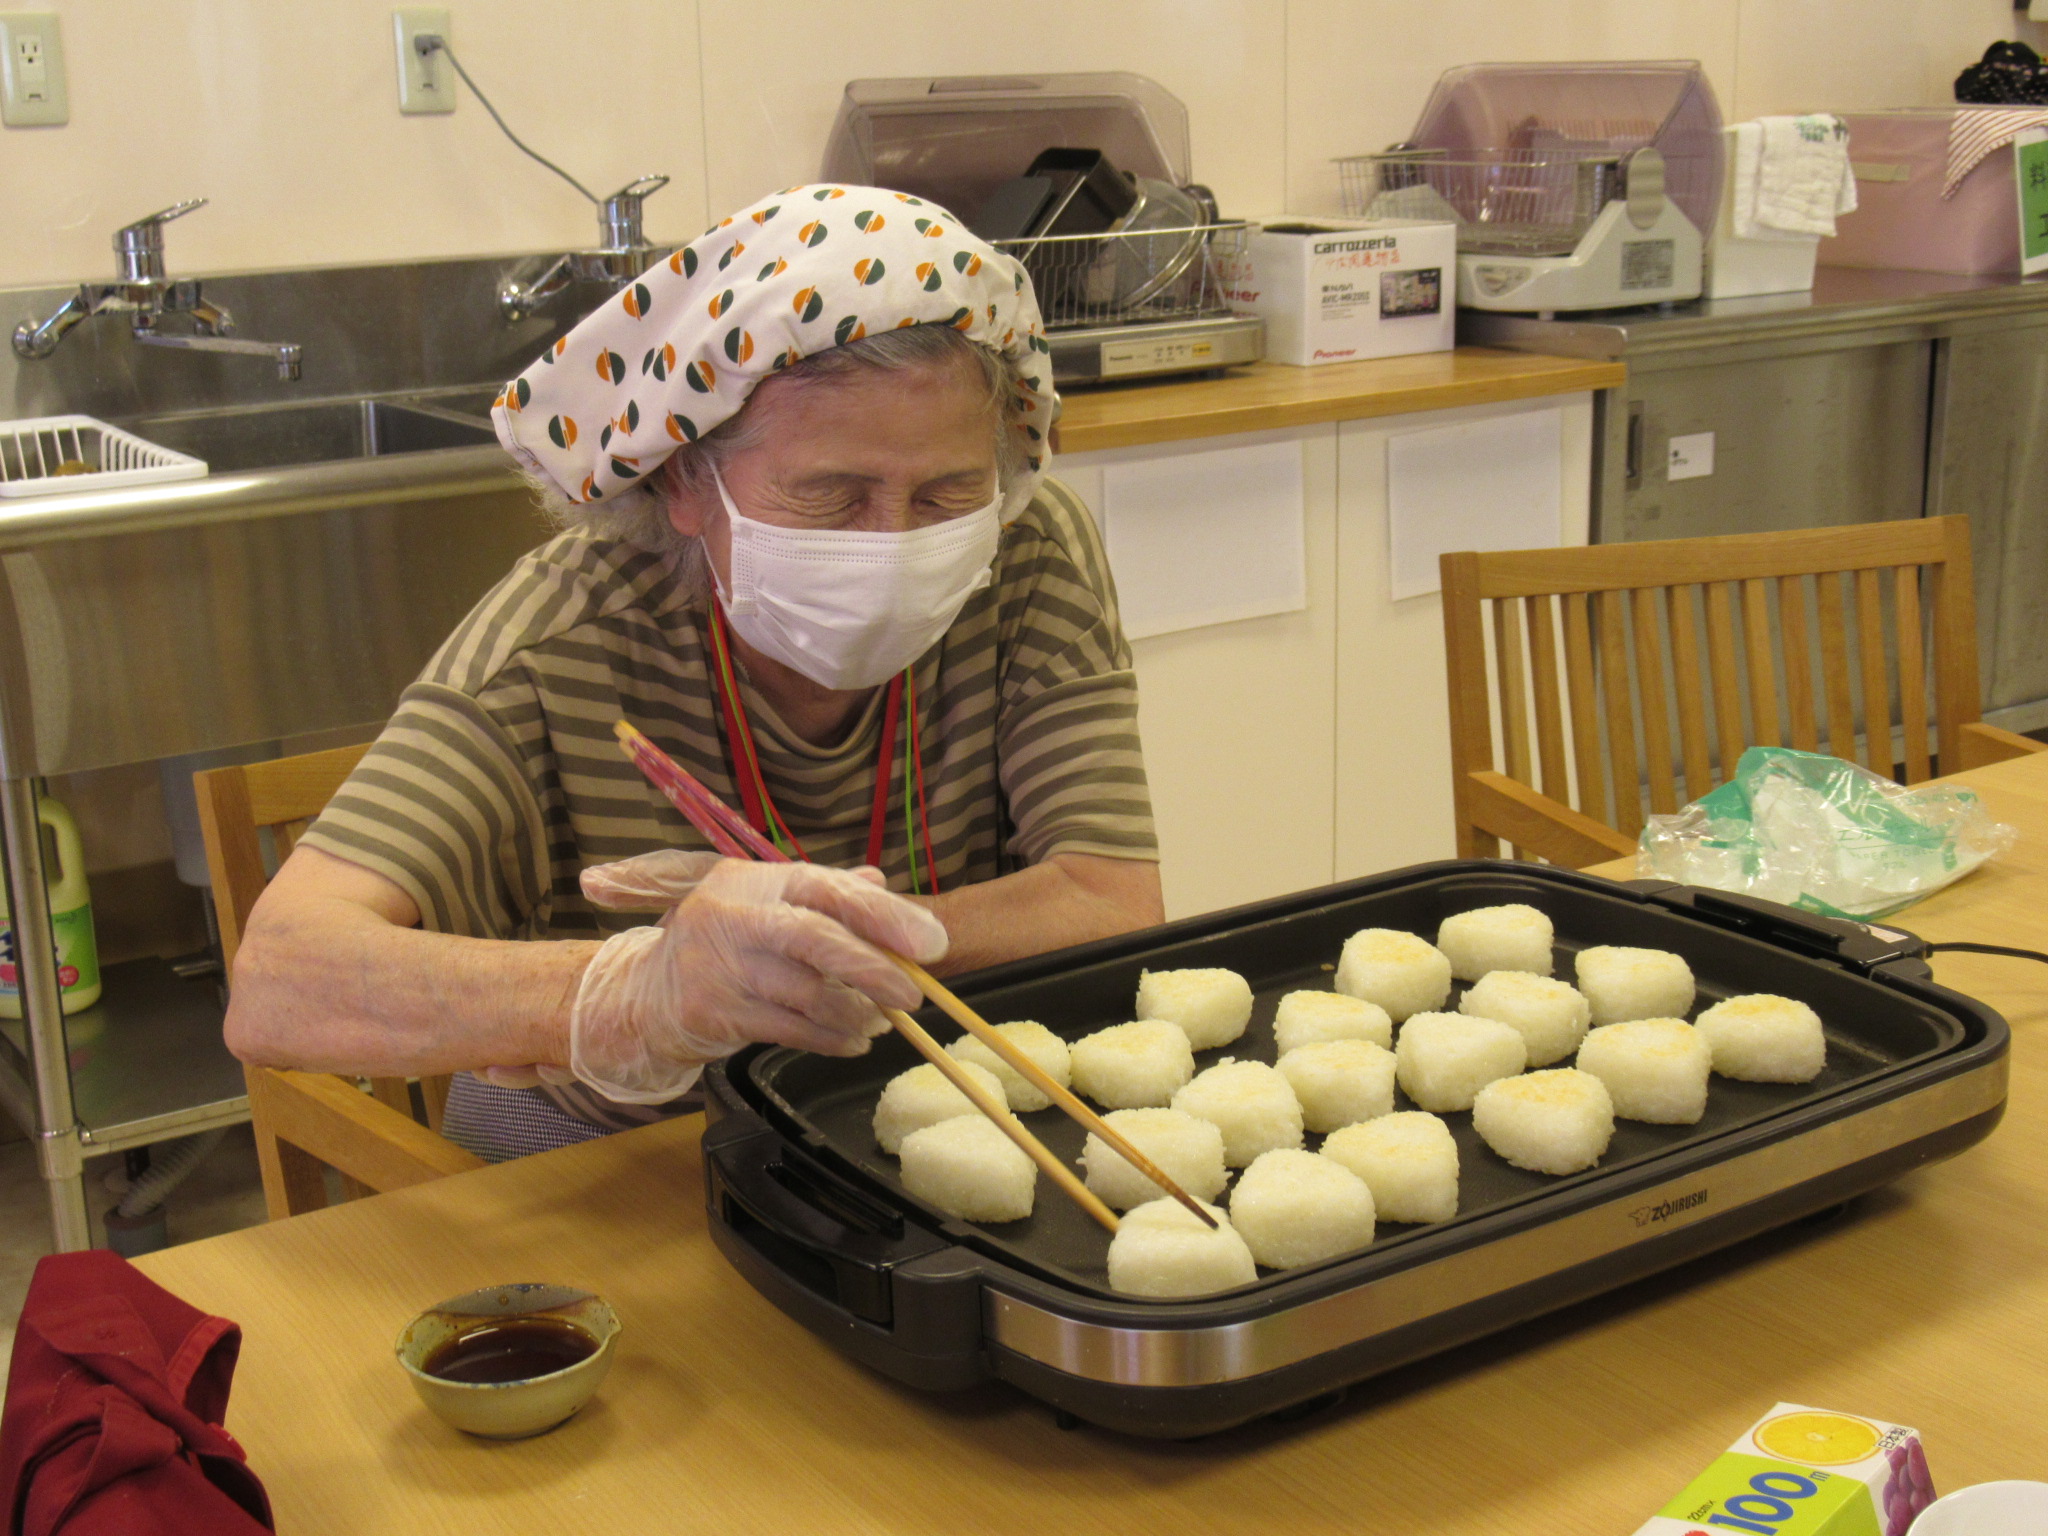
(1572, 186)
(1140, 276)
(1518, 203)
(48, 454)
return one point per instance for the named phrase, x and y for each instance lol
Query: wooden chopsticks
(998, 1110)
(730, 834)
(1043, 1081)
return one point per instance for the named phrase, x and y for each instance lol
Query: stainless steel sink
(297, 588)
(322, 431)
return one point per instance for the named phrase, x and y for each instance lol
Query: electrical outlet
(426, 82)
(32, 93)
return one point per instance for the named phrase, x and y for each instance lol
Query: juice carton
(1803, 1471)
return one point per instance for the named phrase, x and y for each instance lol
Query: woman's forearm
(331, 976)
(1068, 899)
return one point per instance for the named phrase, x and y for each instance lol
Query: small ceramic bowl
(509, 1410)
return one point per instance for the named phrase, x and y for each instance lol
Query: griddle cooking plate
(1873, 1030)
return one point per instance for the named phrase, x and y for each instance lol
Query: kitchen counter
(1269, 395)
(1843, 300)
(1920, 1306)
(1251, 399)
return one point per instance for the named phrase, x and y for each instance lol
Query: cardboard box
(1336, 290)
(1801, 1471)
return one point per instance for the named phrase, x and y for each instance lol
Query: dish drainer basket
(1137, 276)
(60, 454)
(1518, 203)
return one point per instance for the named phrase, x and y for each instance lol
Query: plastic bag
(1823, 835)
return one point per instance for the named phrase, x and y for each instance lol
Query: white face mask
(850, 609)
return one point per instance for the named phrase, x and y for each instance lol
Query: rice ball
(1551, 1015)
(1558, 1121)
(923, 1096)
(1162, 1249)
(1187, 1150)
(1443, 1059)
(1762, 1038)
(1132, 1066)
(1622, 984)
(1295, 1208)
(1655, 1069)
(1514, 937)
(1340, 1082)
(1213, 1006)
(1044, 1047)
(1304, 1018)
(1252, 1104)
(970, 1169)
(1398, 971)
(1408, 1161)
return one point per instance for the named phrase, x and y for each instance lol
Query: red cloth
(115, 1397)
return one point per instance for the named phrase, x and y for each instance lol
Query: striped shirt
(498, 780)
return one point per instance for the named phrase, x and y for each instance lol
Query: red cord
(924, 819)
(878, 818)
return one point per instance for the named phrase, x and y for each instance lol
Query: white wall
(284, 111)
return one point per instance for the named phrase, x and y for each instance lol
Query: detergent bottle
(78, 954)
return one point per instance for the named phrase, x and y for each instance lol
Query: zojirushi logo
(1650, 1215)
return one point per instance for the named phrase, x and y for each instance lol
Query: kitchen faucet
(145, 295)
(622, 253)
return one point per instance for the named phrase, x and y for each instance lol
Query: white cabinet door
(1393, 745)
(1238, 717)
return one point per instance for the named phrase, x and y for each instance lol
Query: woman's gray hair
(640, 516)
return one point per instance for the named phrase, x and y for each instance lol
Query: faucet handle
(139, 247)
(165, 215)
(640, 186)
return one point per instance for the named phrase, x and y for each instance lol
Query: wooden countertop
(1268, 395)
(1921, 1306)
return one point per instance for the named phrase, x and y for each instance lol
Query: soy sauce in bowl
(514, 1349)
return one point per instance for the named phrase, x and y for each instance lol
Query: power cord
(427, 43)
(1993, 949)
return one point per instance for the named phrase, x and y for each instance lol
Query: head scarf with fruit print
(678, 351)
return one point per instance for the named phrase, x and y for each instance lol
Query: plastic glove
(785, 953)
(646, 882)
(654, 882)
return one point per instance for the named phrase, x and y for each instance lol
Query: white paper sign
(1692, 456)
(1206, 538)
(1488, 484)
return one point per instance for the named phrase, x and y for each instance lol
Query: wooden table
(1924, 1306)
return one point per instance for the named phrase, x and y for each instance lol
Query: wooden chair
(1719, 637)
(304, 1120)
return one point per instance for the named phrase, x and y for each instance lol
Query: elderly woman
(810, 550)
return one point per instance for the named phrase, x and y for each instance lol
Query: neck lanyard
(899, 706)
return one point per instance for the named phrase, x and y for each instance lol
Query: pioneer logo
(1650, 1215)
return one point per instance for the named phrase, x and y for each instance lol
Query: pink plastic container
(1901, 219)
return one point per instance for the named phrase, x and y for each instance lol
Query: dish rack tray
(1527, 203)
(52, 454)
(1135, 277)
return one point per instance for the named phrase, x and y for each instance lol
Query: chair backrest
(1620, 678)
(237, 804)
